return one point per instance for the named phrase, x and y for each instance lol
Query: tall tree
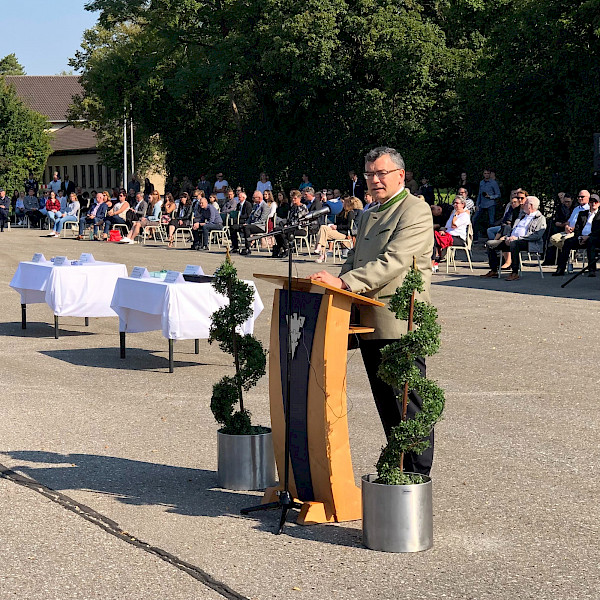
(9, 65)
(24, 143)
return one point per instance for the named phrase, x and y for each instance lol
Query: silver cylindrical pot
(397, 518)
(246, 462)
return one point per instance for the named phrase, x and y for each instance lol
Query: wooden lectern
(321, 474)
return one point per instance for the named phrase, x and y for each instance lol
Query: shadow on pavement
(109, 358)
(40, 330)
(179, 490)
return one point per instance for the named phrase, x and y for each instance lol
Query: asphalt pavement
(108, 486)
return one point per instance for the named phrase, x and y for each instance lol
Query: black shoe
(559, 273)
(592, 274)
(283, 254)
(233, 250)
(203, 247)
(194, 247)
(245, 252)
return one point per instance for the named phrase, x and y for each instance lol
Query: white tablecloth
(69, 290)
(181, 310)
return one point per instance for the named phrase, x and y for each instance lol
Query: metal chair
(451, 254)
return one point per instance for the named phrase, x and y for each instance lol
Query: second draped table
(181, 311)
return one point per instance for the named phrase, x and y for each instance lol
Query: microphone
(315, 214)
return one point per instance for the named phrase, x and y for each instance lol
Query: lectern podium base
(314, 512)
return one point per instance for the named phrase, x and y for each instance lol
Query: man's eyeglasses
(582, 196)
(380, 174)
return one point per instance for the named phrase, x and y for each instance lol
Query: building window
(50, 173)
(91, 182)
(108, 177)
(75, 178)
(65, 172)
(99, 176)
(83, 184)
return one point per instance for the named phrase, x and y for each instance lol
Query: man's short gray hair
(309, 190)
(376, 153)
(534, 201)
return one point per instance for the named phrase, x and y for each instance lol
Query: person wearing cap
(4, 208)
(586, 234)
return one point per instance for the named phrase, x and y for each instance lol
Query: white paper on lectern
(60, 261)
(86, 257)
(139, 273)
(193, 270)
(38, 257)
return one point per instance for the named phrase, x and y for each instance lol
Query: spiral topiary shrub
(248, 354)
(398, 370)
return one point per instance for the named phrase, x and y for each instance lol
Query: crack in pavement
(90, 515)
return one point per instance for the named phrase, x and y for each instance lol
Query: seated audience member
(206, 219)
(32, 208)
(231, 203)
(69, 214)
(439, 220)
(295, 214)
(20, 209)
(151, 218)
(558, 239)
(368, 203)
(62, 198)
(527, 234)
(52, 207)
(454, 233)
(270, 200)
(498, 228)
(116, 214)
(4, 208)
(169, 207)
(283, 208)
(340, 230)
(95, 216)
(137, 209)
(558, 224)
(256, 223)
(463, 192)
(182, 216)
(511, 214)
(585, 235)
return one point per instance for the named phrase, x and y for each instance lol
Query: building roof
(50, 95)
(73, 138)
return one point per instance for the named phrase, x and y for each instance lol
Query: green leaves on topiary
(398, 370)
(249, 356)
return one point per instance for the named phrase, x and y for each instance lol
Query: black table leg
(171, 343)
(55, 327)
(197, 346)
(87, 321)
(23, 316)
(122, 343)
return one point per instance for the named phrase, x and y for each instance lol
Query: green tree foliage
(309, 85)
(398, 370)
(9, 65)
(24, 141)
(248, 354)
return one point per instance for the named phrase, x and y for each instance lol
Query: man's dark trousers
(389, 402)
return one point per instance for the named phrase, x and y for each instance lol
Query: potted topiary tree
(397, 505)
(245, 452)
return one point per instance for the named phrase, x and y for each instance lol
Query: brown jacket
(385, 245)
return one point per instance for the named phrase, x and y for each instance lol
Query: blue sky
(43, 35)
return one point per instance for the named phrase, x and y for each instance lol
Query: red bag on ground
(114, 235)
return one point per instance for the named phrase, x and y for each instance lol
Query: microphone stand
(285, 502)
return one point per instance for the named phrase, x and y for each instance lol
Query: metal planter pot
(246, 462)
(397, 518)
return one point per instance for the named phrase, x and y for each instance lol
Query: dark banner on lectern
(305, 312)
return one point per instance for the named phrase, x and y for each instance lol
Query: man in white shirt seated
(558, 239)
(586, 234)
(527, 234)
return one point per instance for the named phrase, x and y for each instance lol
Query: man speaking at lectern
(387, 240)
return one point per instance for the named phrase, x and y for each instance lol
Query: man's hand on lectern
(329, 279)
